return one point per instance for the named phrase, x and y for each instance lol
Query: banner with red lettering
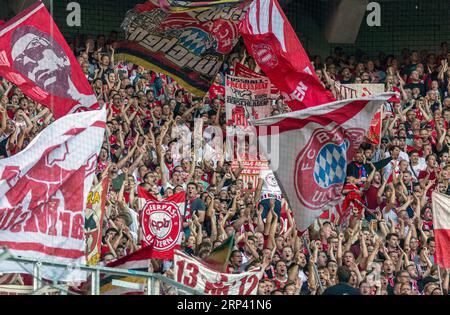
(192, 273)
(35, 56)
(244, 72)
(95, 210)
(43, 192)
(348, 91)
(246, 97)
(161, 222)
(251, 171)
(188, 46)
(273, 43)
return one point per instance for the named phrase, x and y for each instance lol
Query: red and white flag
(374, 134)
(43, 192)
(35, 56)
(270, 39)
(161, 222)
(200, 277)
(127, 285)
(309, 150)
(441, 225)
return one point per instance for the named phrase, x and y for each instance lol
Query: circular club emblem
(322, 163)
(161, 223)
(265, 56)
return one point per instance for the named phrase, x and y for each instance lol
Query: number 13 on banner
(194, 274)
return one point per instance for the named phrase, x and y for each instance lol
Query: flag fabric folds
(218, 259)
(314, 146)
(129, 285)
(441, 225)
(161, 222)
(43, 192)
(35, 56)
(190, 47)
(185, 6)
(193, 273)
(373, 136)
(270, 39)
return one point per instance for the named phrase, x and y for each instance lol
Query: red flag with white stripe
(270, 39)
(314, 146)
(43, 192)
(441, 225)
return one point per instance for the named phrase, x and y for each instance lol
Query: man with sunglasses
(37, 56)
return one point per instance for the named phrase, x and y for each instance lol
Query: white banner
(359, 90)
(43, 193)
(194, 274)
(246, 97)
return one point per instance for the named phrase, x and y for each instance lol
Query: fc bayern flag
(441, 225)
(35, 56)
(161, 222)
(270, 39)
(43, 193)
(309, 150)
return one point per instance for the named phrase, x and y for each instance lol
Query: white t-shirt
(415, 170)
(393, 165)
(402, 156)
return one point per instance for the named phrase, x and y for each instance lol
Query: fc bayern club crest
(323, 164)
(161, 222)
(265, 56)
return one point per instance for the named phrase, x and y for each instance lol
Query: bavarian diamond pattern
(330, 167)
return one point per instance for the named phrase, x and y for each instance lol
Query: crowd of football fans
(384, 246)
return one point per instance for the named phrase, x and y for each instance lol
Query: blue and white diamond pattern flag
(309, 151)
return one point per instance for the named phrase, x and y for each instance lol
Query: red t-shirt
(216, 90)
(424, 174)
(115, 110)
(371, 197)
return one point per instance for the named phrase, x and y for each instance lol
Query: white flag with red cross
(441, 225)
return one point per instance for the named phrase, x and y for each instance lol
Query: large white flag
(441, 226)
(309, 151)
(43, 192)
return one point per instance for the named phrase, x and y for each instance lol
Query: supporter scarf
(170, 167)
(362, 173)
